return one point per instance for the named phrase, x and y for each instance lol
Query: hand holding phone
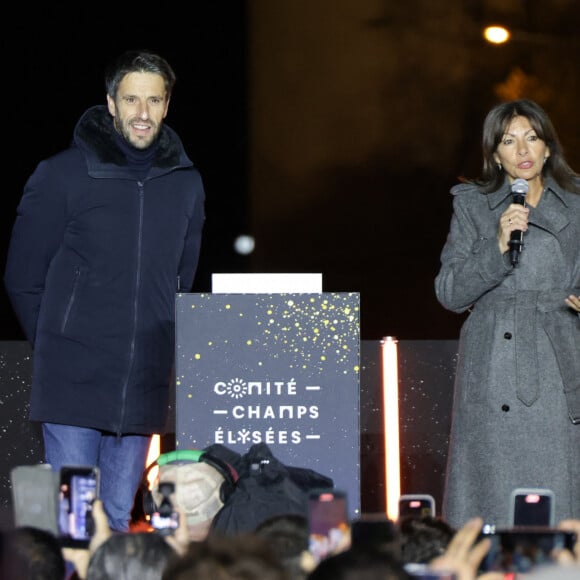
(532, 507)
(78, 488)
(522, 549)
(419, 505)
(329, 530)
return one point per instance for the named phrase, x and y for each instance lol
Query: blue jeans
(120, 459)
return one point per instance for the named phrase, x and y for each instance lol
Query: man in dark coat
(106, 233)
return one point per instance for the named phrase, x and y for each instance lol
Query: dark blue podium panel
(282, 369)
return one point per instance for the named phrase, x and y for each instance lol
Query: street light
(496, 34)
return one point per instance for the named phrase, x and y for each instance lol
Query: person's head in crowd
(233, 557)
(360, 564)
(287, 536)
(131, 556)
(29, 553)
(201, 489)
(423, 538)
(375, 531)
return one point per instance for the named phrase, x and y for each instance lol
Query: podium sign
(280, 369)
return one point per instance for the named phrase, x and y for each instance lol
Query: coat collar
(548, 215)
(95, 136)
(496, 198)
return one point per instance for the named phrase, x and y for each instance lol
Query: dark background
(56, 59)
(374, 224)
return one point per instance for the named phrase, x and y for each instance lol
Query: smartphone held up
(523, 548)
(58, 501)
(78, 488)
(532, 507)
(417, 505)
(328, 522)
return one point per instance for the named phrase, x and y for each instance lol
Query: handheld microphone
(519, 189)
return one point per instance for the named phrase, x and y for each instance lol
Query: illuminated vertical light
(152, 455)
(391, 426)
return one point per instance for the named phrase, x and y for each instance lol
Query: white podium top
(266, 283)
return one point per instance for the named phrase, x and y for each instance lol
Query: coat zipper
(71, 299)
(135, 310)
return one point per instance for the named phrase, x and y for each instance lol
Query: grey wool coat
(516, 405)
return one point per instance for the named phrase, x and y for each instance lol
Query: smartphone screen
(78, 488)
(532, 507)
(518, 550)
(418, 505)
(328, 522)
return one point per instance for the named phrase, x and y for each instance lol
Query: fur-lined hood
(95, 136)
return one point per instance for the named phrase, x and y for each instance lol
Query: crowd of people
(277, 549)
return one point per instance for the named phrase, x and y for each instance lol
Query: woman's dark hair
(137, 61)
(494, 128)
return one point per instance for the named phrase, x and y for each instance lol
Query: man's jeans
(120, 459)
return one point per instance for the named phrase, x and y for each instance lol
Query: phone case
(78, 488)
(328, 522)
(420, 505)
(34, 496)
(532, 507)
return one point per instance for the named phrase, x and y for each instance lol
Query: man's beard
(124, 129)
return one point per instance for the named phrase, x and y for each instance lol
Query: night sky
(373, 225)
(56, 58)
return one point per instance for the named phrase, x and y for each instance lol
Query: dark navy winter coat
(95, 260)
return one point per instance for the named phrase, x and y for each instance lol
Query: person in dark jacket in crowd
(28, 553)
(516, 407)
(106, 233)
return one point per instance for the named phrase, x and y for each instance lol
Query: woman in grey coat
(512, 259)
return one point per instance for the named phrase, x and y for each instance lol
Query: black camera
(165, 520)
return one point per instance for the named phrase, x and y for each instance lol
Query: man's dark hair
(137, 61)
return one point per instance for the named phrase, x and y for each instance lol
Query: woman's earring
(499, 167)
